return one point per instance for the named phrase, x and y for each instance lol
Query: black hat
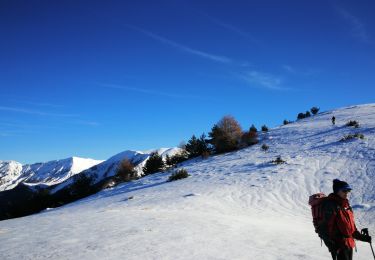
(340, 185)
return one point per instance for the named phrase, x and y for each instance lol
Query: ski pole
(364, 231)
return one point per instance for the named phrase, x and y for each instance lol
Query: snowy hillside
(233, 206)
(48, 173)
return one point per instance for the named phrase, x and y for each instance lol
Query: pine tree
(301, 116)
(264, 128)
(197, 147)
(154, 164)
(253, 129)
(314, 110)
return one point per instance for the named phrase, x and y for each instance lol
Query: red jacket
(341, 225)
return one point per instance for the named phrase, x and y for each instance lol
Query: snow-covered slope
(48, 173)
(233, 206)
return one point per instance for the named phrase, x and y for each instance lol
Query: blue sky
(94, 78)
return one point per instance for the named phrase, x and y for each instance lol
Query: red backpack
(316, 201)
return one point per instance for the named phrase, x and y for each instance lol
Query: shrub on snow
(352, 136)
(179, 174)
(278, 160)
(352, 123)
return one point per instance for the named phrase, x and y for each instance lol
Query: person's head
(341, 188)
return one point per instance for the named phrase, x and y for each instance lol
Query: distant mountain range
(57, 173)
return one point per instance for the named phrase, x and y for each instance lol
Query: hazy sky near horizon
(94, 78)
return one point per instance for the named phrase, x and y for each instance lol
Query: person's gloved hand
(362, 237)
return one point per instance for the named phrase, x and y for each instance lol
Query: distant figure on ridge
(333, 219)
(333, 120)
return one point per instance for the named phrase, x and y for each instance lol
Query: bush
(352, 136)
(264, 128)
(353, 123)
(307, 114)
(278, 160)
(179, 174)
(285, 122)
(154, 164)
(196, 147)
(125, 172)
(314, 110)
(226, 135)
(265, 147)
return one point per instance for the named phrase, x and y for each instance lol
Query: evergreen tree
(177, 158)
(196, 147)
(154, 164)
(314, 110)
(301, 116)
(264, 128)
(253, 129)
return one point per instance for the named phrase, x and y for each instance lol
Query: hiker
(341, 228)
(333, 120)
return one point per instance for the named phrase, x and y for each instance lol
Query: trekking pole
(364, 231)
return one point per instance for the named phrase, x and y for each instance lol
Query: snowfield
(233, 206)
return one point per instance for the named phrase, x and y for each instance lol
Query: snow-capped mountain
(109, 167)
(9, 170)
(48, 173)
(237, 205)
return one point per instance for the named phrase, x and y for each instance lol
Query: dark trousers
(343, 254)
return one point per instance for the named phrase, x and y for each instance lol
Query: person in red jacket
(340, 223)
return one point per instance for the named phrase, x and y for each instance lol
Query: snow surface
(233, 206)
(48, 173)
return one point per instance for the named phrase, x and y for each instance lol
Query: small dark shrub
(264, 128)
(314, 110)
(179, 174)
(307, 114)
(285, 122)
(278, 160)
(265, 147)
(353, 123)
(352, 136)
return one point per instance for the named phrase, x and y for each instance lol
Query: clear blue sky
(94, 78)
